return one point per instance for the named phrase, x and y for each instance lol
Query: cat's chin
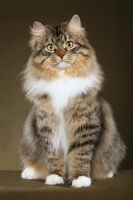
(63, 65)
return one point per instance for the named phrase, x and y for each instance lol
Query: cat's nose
(61, 53)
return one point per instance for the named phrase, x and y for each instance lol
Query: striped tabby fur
(70, 132)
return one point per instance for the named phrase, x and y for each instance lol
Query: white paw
(81, 181)
(29, 173)
(110, 175)
(54, 179)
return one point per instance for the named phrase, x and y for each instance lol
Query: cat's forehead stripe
(57, 31)
(58, 34)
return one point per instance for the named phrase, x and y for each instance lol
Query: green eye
(69, 45)
(51, 47)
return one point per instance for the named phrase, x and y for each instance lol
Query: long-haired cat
(70, 132)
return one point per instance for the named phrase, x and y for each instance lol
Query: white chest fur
(60, 90)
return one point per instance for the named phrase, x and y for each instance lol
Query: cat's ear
(75, 22)
(37, 29)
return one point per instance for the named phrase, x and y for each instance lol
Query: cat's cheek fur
(54, 179)
(81, 181)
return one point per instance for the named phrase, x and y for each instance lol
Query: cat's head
(60, 48)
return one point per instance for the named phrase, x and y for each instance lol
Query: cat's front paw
(54, 179)
(81, 181)
(29, 173)
(110, 175)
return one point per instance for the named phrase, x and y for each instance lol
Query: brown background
(110, 29)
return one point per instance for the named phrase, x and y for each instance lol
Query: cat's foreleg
(79, 158)
(57, 171)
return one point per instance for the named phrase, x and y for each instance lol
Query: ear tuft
(37, 29)
(75, 22)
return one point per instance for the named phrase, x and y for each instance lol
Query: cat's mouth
(63, 64)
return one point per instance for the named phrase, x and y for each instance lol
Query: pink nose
(61, 53)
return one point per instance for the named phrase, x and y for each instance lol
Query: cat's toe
(110, 175)
(54, 179)
(81, 181)
(29, 173)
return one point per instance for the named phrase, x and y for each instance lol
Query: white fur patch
(54, 179)
(59, 140)
(81, 181)
(29, 173)
(110, 175)
(63, 65)
(62, 88)
(61, 137)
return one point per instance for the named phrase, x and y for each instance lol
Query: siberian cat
(70, 132)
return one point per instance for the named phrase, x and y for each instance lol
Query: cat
(70, 133)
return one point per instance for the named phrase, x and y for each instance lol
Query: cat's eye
(51, 47)
(69, 45)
